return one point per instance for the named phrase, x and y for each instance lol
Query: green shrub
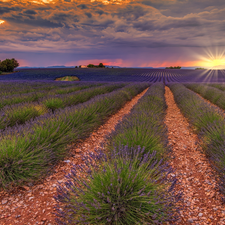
(20, 113)
(124, 190)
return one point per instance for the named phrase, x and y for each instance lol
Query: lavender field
(131, 179)
(121, 75)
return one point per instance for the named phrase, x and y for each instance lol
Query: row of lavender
(31, 106)
(208, 122)
(27, 152)
(127, 183)
(8, 88)
(22, 93)
(211, 93)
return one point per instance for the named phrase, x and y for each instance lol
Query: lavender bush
(213, 94)
(218, 86)
(123, 190)
(28, 151)
(9, 99)
(144, 125)
(22, 112)
(62, 101)
(129, 185)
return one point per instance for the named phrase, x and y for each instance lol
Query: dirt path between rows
(201, 201)
(35, 204)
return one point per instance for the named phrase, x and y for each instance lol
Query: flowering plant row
(128, 184)
(213, 94)
(8, 98)
(22, 112)
(27, 152)
(208, 123)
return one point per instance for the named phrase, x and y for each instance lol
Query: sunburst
(213, 59)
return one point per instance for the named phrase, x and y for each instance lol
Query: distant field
(120, 75)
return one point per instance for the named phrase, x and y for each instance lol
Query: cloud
(93, 28)
(4, 9)
(31, 12)
(82, 6)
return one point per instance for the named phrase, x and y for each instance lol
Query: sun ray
(211, 58)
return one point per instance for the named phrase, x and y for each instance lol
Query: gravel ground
(196, 178)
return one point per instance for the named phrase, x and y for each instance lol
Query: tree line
(8, 65)
(93, 66)
(174, 67)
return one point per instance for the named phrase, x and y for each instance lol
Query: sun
(217, 62)
(214, 58)
(2, 21)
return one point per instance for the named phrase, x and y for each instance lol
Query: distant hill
(36, 67)
(56, 67)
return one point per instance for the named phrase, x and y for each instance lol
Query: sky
(126, 33)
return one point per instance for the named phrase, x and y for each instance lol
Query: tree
(90, 65)
(8, 65)
(173, 67)
(75, 66)
(15, 62)
(101, 65)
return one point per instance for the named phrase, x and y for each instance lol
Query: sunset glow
(214, 58)
(125, 33)
(43, 1)
(217, 62)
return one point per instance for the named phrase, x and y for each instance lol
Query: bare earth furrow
(201, 200)
(35, 204)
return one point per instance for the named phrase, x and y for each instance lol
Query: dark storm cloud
(100, 12)
(89, 15)
(82, 6)
(131, 12)
(64, 17)
(8, 9)
(31, 12)
(38, 22)
(169, 24)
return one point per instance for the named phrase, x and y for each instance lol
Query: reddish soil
(34, 204)
(196, 179)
